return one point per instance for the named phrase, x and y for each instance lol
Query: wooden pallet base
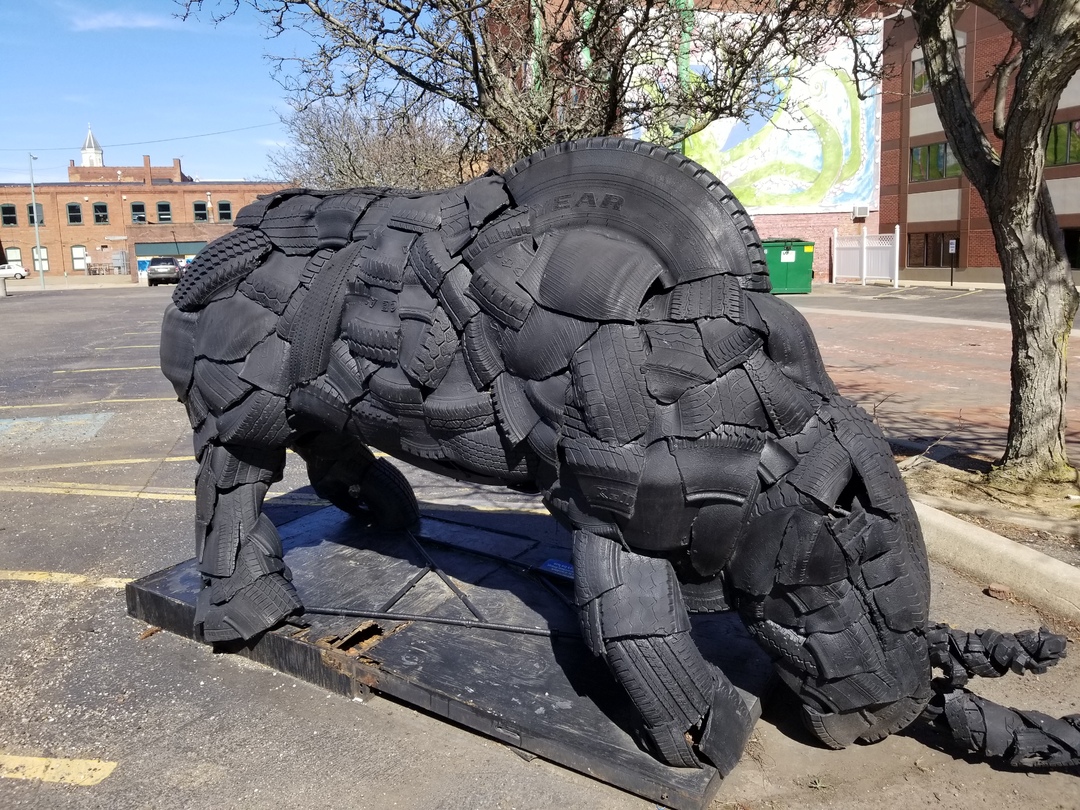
(534, 686)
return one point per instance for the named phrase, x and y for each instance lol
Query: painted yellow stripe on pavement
(82, 772)
(115, 368)
(147, 493)
(109, 462)
(60, 578)
(81, 404)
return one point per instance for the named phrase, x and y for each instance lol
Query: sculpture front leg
(633, 616)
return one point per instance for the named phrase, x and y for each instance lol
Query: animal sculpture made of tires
(595, 324)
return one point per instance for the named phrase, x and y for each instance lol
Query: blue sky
(145, 81)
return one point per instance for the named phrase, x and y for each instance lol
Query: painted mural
(817, 151)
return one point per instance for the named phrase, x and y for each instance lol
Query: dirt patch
(1045, 517)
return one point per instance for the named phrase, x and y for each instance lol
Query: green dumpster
(791, 264)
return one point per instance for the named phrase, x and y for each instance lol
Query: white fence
(867, 257)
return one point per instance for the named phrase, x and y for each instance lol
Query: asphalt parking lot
(96, 488)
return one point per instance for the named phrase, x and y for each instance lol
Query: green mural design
(834, 169)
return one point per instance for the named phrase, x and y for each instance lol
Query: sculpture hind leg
(247, 587)
(345, 472)
(832, 580)
(632, 615)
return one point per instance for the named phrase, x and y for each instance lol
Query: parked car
(13, 271)
(163, 269)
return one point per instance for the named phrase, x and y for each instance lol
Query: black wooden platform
(508, 663)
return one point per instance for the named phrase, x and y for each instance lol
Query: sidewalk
(55, 282)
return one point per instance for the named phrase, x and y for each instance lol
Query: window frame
(195, 211)
(134, 217)
(85, 258)
(44, 258)
(224, 211)
(39, 210)
(102, 217)
(9, 210)
(936, 161)
(164, 211)
(13, 255)
(74, 213)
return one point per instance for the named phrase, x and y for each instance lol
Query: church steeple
(91, 151)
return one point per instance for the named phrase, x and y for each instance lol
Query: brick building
(112, 218)
(922, 187)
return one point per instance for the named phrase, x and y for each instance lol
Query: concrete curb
(1042, 581)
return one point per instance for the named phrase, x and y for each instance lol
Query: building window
(224, 211)
(13, 255)
(1063, 145)
(919, 83)
(933, 162)
(101, 213)
(1072, 246)
(202, 213)
(8, 215)
(164, 212)
(41, 263)
(74, 214)
(138, 212)
(932, 249)
(78, 257)
(31, 208)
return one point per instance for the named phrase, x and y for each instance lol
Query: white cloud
(105, 20)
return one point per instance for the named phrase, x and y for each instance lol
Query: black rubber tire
(688, 217)
(381, 495)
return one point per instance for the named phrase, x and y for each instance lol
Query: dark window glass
(919, 84)
(30, 209)
(918, 163)
(916, 250)
(224, 211)
(74, 214)
(1072, 245)
(1074, 142)
(164, 212)
(138, 212)
(201, 212)
(8, 215)
(1057, 145)
(952, 167)
(101, 214)
(935, 161)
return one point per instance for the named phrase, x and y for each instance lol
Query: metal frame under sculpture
(595, 325)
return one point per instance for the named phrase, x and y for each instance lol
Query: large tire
(687, 217)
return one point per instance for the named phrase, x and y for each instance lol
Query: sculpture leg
(632, 615)
(345, 472)
(246, 585)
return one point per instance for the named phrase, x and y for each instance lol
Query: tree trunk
(1042, 303)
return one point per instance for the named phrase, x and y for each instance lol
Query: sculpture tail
(1019, 739)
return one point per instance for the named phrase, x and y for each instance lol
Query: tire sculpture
(596, 325)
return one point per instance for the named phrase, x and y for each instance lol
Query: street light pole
(37, 234)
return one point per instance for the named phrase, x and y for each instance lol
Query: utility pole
(37, 234)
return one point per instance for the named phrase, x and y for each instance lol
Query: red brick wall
(816, 228)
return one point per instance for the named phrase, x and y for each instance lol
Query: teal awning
(168, 248)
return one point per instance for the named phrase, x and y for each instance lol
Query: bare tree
(338, 144)
(527, 73)
(1042, 297)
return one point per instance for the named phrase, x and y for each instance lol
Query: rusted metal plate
(471, 619)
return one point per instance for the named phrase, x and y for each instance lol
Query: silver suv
(163, 269)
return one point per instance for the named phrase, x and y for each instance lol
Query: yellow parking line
(81, 404)
(60, 578)
(83, 772)
(117, 368)
(147, 493)
(110, 462)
